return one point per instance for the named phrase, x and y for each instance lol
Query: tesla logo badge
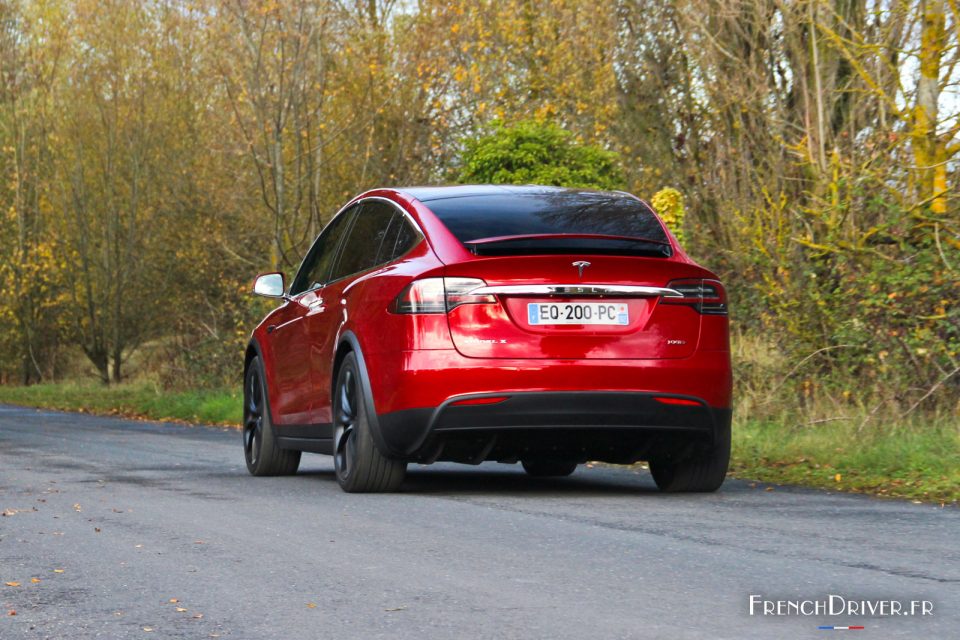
(581, 265)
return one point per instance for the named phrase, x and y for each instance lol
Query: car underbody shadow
(501, 478)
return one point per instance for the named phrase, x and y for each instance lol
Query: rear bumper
(415, 379)
(596, 409)
(583, 425)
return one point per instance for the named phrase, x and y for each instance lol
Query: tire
(263, 456)
(360, 466)
(549, 468)
(700, 473)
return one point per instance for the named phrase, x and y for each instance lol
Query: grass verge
(134, 400)
(916, 461)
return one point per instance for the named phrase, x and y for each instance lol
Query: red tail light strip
(678, 401)
(470, 401)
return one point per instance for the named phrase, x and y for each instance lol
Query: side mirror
(269, 285)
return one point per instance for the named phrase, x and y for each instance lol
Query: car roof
(426, 194)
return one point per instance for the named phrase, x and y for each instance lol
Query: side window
(385, 254)
(400, 238)
(407, 238)
(315, 269)
(361, 248)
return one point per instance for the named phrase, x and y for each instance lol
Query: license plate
(544, 313)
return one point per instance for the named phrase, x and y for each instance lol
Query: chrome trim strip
(577, 290)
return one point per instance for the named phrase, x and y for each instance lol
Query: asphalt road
(117, 519)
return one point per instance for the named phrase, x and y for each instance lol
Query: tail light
(440, 295)
(706, 296)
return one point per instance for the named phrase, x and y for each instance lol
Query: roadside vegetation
(155, 155)
(917, 460)
(131, 400)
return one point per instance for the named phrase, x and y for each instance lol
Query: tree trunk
(117, 365)
(928, 152)
(97, 354)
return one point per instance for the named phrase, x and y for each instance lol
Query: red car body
(476, 381)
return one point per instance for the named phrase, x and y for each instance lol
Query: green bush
(537, 152)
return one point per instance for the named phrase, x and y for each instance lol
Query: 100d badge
(550, 313)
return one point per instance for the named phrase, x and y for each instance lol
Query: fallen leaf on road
(148, 629)
(11, 612)
(181, 610)
(199, 542)
(117, 510)
(173, 600)
(197, 616)
(769, 489)
(311, 605)
(58, 570)
(9, 512)
(396, 609)
(97, 529)
(12, 584)
(77, 508)
(34, 580)
(138, 546)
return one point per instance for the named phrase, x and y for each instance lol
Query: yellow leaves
(35, 580)
(311, 605)
(455, 28)
(58, 570)
(12, 584)
(837, 478)
(668, 203)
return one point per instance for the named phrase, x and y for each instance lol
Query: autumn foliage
(155, 155)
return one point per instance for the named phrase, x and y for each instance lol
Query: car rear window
(489, 224)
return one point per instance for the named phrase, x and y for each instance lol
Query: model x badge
(581, 265)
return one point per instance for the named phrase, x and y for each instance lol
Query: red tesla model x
(529, 324)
